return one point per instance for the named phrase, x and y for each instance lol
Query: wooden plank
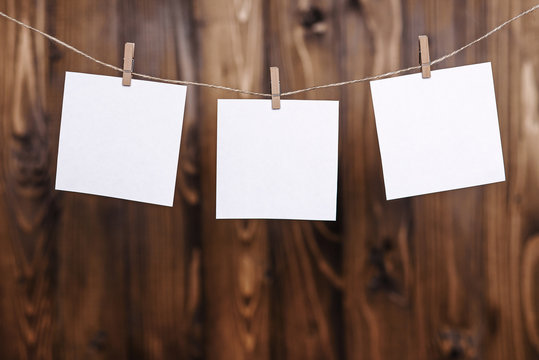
(235, 254)
(303, 39)
(379, 304)
(447, 245)
(164, 285)
(93, 238)
(527, 156)
(27, 202)
(10, 339)
(511, 220)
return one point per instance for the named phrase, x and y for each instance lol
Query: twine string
(254, 93)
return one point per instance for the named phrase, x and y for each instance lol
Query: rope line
(254, 93)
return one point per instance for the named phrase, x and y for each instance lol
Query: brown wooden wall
(453, 275)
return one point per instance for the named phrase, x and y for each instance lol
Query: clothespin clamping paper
(129, 62)
(275, 88)
(424, 56)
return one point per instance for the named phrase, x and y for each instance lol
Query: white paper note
(120, 141)
(440, 133)
(277, 164)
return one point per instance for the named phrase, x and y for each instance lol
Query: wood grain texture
(453, 275)
(28, 199)
(92, 238)
(303, 38)
(235, 253)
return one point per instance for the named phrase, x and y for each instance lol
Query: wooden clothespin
(275, 88)
(129, 62)
(424, 56)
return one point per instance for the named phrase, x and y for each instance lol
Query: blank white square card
(440, 133)
(277, 164)
(120, 141)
